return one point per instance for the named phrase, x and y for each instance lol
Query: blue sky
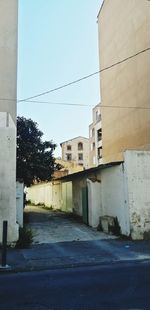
(58, 43)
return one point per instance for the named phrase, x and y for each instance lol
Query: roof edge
(86, 171)
(100, 8)
(74, 139)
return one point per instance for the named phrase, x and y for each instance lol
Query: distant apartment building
(124, 31)
(95, 138)
(76, 150)
(8, 95)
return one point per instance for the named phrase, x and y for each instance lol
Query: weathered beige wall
(70, 167)
(8, 55)
(123, 31)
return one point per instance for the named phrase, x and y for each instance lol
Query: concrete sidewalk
(75, 254)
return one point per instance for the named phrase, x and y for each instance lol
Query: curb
(11, 270)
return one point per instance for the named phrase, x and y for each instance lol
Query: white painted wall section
(8, 176)
(8, 55)
(94, 202)
(114, 202)
(77, 186)
(137, 174)
(40, 194)
(19, 203)
(56, 195)
(67, 197)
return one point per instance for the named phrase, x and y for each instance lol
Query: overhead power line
(86, 105)
(59, 103)
(85, 77)
(80, 104)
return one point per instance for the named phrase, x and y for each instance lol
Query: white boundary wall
(114, 201)
(94, 202)
(56, 195)
(137, 176)
(19, 203)
(121, 191)
(8, 176)
(8, 89)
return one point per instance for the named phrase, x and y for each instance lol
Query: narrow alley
(56, 226)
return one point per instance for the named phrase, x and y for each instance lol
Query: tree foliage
(35, 160)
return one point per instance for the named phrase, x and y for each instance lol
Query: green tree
(35, 160)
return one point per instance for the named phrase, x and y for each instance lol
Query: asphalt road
(115, 286)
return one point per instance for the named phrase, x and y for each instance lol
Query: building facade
(76, 150)
(8, 90)
(125, 92)
(95, 138)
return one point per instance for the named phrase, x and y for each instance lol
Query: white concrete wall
(56, 195)
(19, 203)
(67, 197)
(57, 199)
(8, 176)
(94, 202)
(114, 201)
(8, 55)
(106, 196)
(121, 191)
(137, 174)
(8, 90)
(77, 195)
(40, 194)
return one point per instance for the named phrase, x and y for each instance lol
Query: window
(98, 116)
(93, 147)
(69, 157)
(80, 146)
(99, 134)
(68, 147)
(80, 156)
(99, 152)
(93, 132)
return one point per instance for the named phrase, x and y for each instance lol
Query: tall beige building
(95, 138)
(76, 150)
(124, 30)
(8, 94)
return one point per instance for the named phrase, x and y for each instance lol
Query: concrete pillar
(8, 91)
